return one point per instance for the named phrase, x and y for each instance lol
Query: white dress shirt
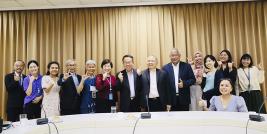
(131, 83)
(153, 84)
(176, 76)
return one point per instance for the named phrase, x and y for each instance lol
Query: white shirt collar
(177, 65)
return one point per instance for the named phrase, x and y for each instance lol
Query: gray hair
(90, 62)
(156, 59)
(175, 49)
(69, 61)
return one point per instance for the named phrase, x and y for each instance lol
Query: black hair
(49, 65)
(106, 61)
(229, 55)
(32, 61)
(127, 55)
(245, 56)
(212, 58)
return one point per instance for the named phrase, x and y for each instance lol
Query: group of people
(200, 84)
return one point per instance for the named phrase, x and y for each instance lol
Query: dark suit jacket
(15, 91)
(162, 85)
(69, 98)
(124, 89)
(188, 78)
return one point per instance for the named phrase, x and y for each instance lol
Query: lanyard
(109, 81)
(248, 77)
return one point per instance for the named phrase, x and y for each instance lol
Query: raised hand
(105, 75)
(16, 78)
(181, 83)
(66, 75)
(259, 66)
(230, 65)
(202, 103)
(120, 76)
(190, 61)
(32, 78)
(199, 80)
(84, 77)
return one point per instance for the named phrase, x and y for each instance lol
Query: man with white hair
(87, 88)
(155, 87)
(69, 96)
(181, 77)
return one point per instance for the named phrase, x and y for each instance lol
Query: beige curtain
(99, 33)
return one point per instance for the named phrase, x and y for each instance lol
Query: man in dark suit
(129, 86)
(69, 96)
(155, 87)
(16, 94)
(181, 77)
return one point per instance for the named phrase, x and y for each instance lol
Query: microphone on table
(42, 120)
(146, 115)
(258, 117)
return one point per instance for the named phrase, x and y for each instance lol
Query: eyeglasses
(71, 64)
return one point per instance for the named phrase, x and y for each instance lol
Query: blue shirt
(237, 104)
(209, 81)
(36, 88)
(86, 95)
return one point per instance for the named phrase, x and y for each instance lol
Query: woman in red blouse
(105, 85)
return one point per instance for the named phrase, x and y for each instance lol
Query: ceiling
(52, 4)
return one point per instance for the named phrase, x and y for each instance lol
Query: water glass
(113, 109)
(23, 119)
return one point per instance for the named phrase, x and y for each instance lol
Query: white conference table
(161, 123)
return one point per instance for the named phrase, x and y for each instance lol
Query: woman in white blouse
(248, 83)
(51, 91)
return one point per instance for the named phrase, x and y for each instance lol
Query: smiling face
(209, 63)
(71, 66)
(19, 66)
(151, 62)
(224, 57)
(128, 63)
(175, 56)
(246, 62)
(33, 69)
(225, 87)
(54, 69)
(90, 68)
(107, 68)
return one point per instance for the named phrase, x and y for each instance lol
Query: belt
(153, 98)
(177, 94)
(132, 98)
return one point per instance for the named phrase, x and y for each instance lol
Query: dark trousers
(155, 105)
(104, 105)
(13, 114)
(179, 106)
(254, 100)
(134, 105)
(33, 110)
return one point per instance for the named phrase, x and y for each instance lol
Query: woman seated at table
(226, 101)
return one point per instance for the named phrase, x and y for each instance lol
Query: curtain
(98, 33)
